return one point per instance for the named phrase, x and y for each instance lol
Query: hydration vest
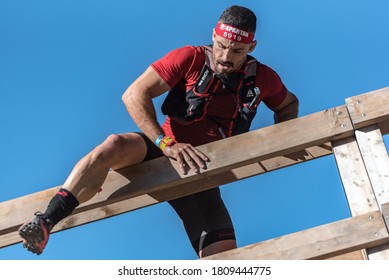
(191, 106)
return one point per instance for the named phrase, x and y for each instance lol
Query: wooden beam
(356, 255)
(364, 167)
(356, 182)
(249, 149)
(376, 159)
(320, 242)
(109, 210)
(280, 145)
(369, 108)
(384, 127)
(385, 214)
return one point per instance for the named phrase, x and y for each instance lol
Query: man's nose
(226, 55)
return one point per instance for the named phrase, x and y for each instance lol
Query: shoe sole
(33, 236)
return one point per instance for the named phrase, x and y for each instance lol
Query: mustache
(225, 63)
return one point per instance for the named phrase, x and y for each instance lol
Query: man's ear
(252, 46)
(213, 35)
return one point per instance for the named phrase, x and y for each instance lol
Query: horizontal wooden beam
(369, 108)
(232, 159)
(321, 242)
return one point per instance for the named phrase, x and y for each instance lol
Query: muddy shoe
(35, 234)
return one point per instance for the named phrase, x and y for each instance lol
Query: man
(214, 92)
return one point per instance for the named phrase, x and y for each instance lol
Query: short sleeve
(176, 65)
(271, 86)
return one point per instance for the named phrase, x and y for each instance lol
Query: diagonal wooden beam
(231, 159)
(109, 210)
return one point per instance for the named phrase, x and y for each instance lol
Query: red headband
(234, 34)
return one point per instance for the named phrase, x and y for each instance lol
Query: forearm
(140, 107)
(287, 113)
(138, 100)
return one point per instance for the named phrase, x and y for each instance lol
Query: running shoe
(35, 234)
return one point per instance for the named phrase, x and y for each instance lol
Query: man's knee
(109, 148)
(213, 241)
(114, 141)
(218, 247)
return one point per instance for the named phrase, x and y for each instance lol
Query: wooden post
(375, 157)
(356, 183)
(369, 114)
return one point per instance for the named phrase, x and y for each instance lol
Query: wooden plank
(356, 182)
(356, 255)
(9, 239)
(381, 252)
(19, 210)
(320, 242)
(109, 210)
(297, 157)
(363, 166)
(376, 159)
(249, 149)
(369, 108)
(384, 127)
(385, 214)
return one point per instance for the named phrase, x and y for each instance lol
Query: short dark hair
(240, 17)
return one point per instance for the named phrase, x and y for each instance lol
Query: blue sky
(65, 64)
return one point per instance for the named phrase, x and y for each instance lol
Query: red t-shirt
(182, 67)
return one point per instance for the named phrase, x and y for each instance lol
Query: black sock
(61, 205)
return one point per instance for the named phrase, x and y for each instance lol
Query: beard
(231, 79)
(224, 73)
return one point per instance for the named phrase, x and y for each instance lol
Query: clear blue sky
(65, 64)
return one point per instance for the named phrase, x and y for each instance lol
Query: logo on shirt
(250, 93)
(206, 72)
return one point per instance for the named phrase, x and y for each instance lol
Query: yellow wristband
(166, 141)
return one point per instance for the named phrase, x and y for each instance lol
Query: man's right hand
(187, 156)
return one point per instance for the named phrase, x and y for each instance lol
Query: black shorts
(204, 215)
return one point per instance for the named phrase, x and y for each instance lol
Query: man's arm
(138, 100)
(287, 110)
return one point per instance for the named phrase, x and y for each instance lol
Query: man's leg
(206, 221)
(85, 180)
(217, 247)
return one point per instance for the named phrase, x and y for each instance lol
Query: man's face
(228, 55)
